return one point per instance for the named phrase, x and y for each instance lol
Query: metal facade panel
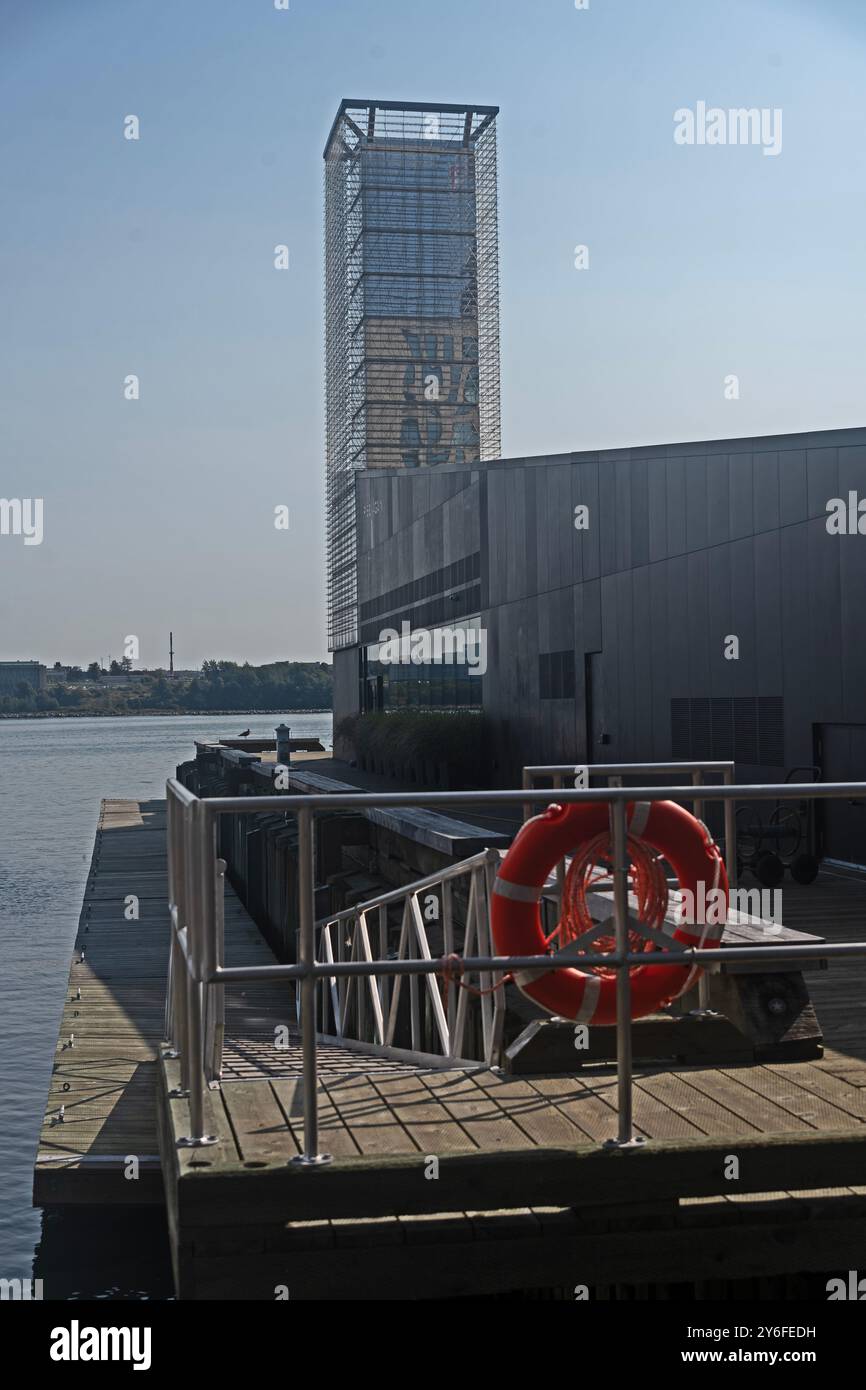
(726, 550)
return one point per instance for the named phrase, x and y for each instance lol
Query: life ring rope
(648, 884)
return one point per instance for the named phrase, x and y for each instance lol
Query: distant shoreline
(157, 713)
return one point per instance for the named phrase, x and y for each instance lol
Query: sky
(155, 257)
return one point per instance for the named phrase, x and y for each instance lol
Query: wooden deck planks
(698, 1106)
(113, 1018)
(423, 1115)
(778, 1085)
(480, 1113)
(583, 1104)
(479, 1110)
(258, 1124)
(104, 1073)
(761, 1114)
(336, 1137)
(541, 1122)
(374, 1126)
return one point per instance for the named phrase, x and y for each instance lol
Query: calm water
(53, 774)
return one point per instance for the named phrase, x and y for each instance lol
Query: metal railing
(613, 773)
(196, 969)
(345, 936)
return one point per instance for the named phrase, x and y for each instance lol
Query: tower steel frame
(411, 306)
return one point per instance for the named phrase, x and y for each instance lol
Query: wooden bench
(757, 1013)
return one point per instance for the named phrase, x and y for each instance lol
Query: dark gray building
(696, 600)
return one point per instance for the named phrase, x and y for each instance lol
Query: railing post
(698, 812)
(171, 983)
(448, 948)
(215, 994)
(307, 948)
(560, 863)
(384, 980)
(362, 984)
(619, 836)
(697, 804)
(494, 1057)
(730, 832)
(201, 925)
(190, 904)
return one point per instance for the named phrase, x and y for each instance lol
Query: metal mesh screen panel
(411, 307)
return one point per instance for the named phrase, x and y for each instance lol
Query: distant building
(411, 309)
(117, 679)
(15, 673)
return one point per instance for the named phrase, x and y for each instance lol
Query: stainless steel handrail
(195, 953)
(417, 885)
(349, 930)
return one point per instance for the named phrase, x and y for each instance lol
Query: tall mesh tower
(411, 306)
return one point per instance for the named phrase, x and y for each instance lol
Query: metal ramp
(437, 1020)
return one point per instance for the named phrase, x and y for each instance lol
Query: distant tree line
(279, 685)
(221, 685)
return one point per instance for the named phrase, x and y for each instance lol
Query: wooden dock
(443, 1182)
(519, 1162)
(105, 1066)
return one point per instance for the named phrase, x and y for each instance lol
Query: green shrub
(436, 746)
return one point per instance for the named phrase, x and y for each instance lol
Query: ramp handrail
(197, 972)
(376, 1011)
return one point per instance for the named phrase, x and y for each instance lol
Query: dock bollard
(284, 747)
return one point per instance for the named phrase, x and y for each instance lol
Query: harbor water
(54, 774)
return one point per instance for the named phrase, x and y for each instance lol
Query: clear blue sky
(156, 258)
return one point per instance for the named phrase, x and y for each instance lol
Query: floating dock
(104, 1077)
(444, 1181)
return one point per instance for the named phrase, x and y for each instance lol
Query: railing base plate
(204, 1142)
(314, 1161)
(636, 1143)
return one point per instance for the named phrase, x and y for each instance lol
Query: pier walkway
(105, 1067)
(432, 1165)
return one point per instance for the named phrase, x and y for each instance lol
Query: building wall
(411, 526)
(419, 555)
(12, 673)
(346, 694)
(686, 545)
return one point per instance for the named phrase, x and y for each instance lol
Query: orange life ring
(516, 920)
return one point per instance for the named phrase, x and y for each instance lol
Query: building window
(452, 680)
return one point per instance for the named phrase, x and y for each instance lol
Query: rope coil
(647, 882)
